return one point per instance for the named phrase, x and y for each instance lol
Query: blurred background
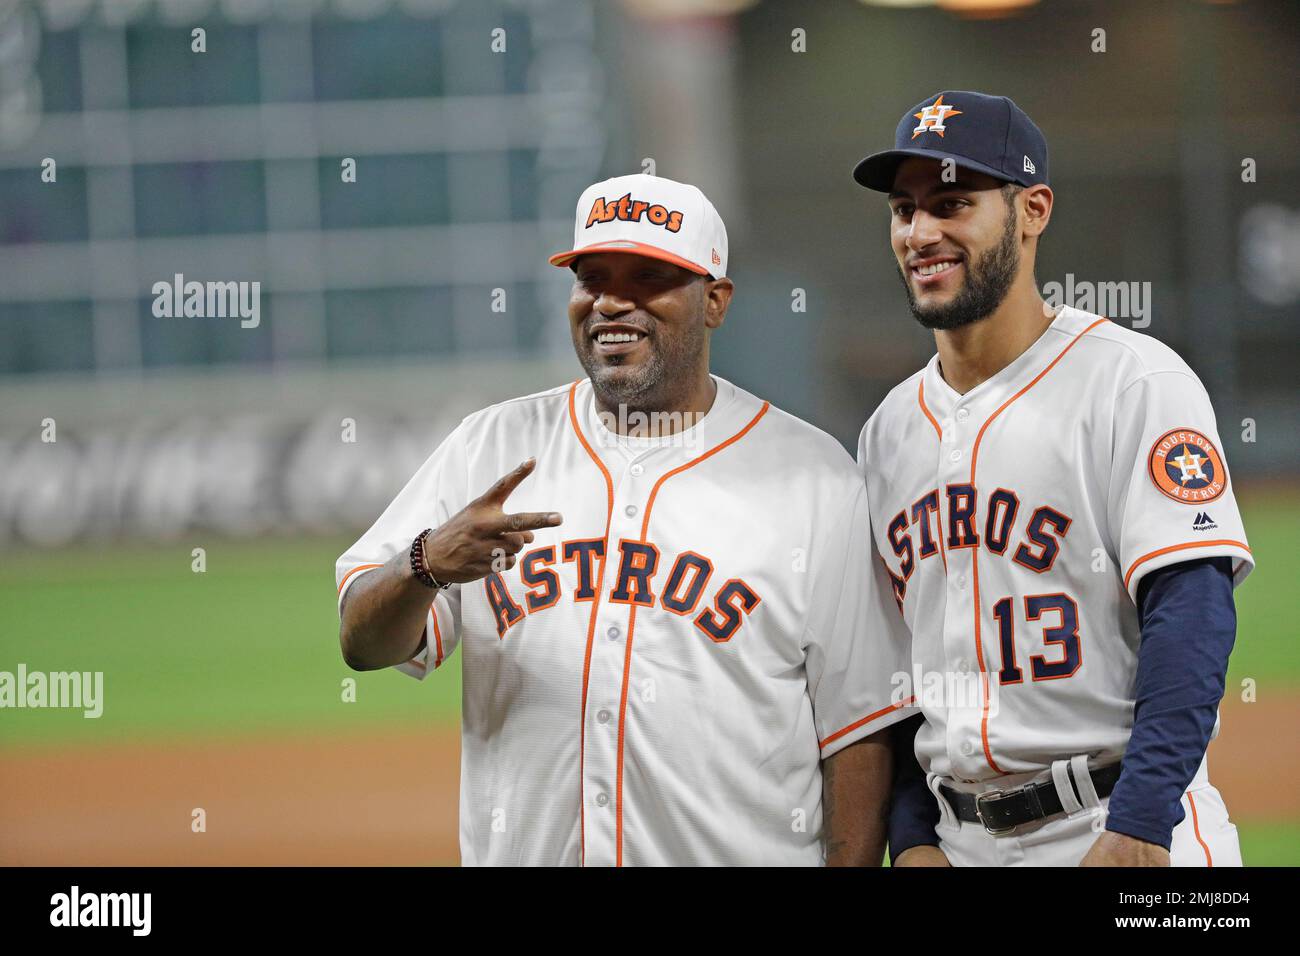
(174, 490)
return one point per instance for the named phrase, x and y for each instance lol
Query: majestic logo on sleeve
(932, 117)
(1187, 467)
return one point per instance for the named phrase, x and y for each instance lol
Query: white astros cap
(650, 216)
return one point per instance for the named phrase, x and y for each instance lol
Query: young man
(1052, 500)
(668, 656)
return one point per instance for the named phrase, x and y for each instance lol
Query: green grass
(248, 646)
(251, 644)
(1266, 602)
(1265, 844)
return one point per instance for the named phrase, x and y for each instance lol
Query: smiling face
(957, 243)
(640, 328)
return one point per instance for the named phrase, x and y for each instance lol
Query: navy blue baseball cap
(989, 134)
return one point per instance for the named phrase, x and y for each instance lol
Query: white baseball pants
(1205, 837)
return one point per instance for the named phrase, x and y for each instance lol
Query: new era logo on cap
(649, 216)
(987, 134)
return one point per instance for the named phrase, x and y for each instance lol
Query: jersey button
(602, 716)
(637, 470)
(613, 633)
(967, 748)
(630, 510)
(963, 667)
(963, 414)
(954, 455)
(601, 800)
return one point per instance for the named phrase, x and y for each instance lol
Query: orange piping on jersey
(938, 511)
(974, 555)
(865, 720)
(645, 523)
(591, 625)
(943, 547)
(920, 400)
(359, 567)
(631, 623)
(1223, 542)
(1196, 828)
(437, 634)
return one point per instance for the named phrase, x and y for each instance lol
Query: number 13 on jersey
(1059, 615)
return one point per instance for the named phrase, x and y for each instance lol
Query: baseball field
(231, 731)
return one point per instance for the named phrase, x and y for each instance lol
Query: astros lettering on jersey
(658, 678)
(1016, 522)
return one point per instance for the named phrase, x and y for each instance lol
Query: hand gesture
(482, 538)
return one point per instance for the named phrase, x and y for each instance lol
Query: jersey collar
(942, 398)
(717, 417)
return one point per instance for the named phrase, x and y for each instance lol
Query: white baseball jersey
(657, 679)
(1016, 522)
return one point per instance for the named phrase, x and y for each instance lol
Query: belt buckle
(992, 795)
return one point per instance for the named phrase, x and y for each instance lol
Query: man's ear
(1038, 209)
(717, 297)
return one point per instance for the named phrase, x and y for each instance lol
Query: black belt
(1001, 811)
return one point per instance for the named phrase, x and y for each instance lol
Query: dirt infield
(388, 798)
(1255, 762)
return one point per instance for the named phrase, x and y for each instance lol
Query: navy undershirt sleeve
(1188, 624)
(913, 811)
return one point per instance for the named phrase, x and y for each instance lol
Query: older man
(678, 649)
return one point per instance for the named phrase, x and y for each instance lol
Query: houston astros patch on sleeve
(1186, 466)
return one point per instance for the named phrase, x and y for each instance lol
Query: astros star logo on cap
(931, 117)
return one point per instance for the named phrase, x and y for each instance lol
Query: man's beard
(650, 386)
(985, 286)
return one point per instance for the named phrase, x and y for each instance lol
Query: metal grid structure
(226, 165)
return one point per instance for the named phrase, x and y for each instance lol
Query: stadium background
(382, 304)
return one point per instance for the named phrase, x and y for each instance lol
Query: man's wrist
(922, 854)
(1134, 829)
(895, 851)
(419, 562)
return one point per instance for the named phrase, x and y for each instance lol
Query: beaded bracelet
(417, 562)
